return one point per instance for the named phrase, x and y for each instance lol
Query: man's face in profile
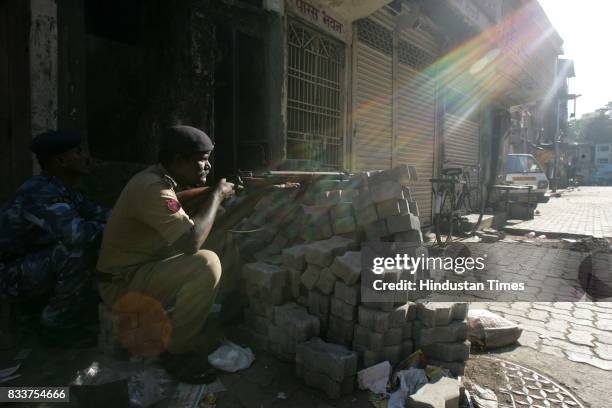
(194, 168)
(74, 161)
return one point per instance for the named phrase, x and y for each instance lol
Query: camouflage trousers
(60, 274)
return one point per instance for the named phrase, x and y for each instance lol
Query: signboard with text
(321, 17)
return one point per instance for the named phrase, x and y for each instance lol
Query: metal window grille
(413, 56)
(375, 35)
(314, 105)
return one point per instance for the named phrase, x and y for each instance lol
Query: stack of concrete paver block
(384, 207)
(318, 279)
(267, 286)
(440, 331)
(384, 334)
(305, 298)
(329, 367)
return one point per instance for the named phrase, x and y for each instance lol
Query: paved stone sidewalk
(584, 211)
(579, 331)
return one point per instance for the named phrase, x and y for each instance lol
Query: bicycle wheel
(442, 217)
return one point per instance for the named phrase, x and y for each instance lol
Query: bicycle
(452, 194)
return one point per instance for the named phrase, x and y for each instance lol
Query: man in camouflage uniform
(49, 234)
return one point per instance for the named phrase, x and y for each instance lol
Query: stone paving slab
(585, 211)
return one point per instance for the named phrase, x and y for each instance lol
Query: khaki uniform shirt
(146, 220)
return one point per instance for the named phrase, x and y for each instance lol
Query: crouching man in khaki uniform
(151, 261)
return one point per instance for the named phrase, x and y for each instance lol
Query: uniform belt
(104, 277)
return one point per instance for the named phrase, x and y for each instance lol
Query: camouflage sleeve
(92, 211)
(57, 215)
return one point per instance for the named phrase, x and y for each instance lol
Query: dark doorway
(240, 142)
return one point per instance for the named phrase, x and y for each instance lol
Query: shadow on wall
(106, 180)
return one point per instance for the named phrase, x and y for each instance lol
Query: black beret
(184, 140)
(54, 142)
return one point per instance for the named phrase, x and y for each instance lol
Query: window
(522, 164)
(602, 161)
(314, 97)
(603, 148)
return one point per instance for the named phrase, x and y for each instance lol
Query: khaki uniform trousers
(184, 284)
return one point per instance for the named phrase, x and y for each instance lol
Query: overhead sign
(321, 17)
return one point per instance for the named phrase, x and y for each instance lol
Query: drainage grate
(529, 389)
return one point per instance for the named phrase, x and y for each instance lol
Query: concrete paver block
(387, 190)
(432, 314)
(318, 303)
(401, 223)
(455, 331)
(362, 200)
(341, 210)
(335, 361)
(296, 321)
(333, 389)
(457, 351)
(392, 208)
(310, 277)
(322, 253)
(348, 267)
(340, 331)
(327, 281)
(373, 319)
(263, 274)
(295, 257)
(366, 215)
(294, 282)
(376, 230)
(344, 225)
(348, 294)
(414, 236)
(343, 310)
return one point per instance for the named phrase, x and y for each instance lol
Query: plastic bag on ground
(488, 330)
(374, 378)
(231, 357)
(410, 382)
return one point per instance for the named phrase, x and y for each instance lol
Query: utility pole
(555, 178)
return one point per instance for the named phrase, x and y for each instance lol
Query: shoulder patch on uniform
(173, 205)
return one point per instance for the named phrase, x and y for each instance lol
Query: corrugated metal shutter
(373, 114)
(416, 111)
(462, 147)
(416, 128)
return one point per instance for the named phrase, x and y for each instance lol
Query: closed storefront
(394, 102)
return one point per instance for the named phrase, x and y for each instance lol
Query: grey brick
(386, 190)
(310, 277)
(432, 314)
(341, 210)
(327, 281)
(333, 389)
(407, 348)
(322, 229)
(401, 223)
(373, 319)
(367, 358)
(362, 200)
(265, 275)
(414, 236)
(258, 323)
(348, 267)
(343, 310)
(332, 197)
(348, 294)
(455, 331)
(366, 215)
(368, 339)
(344, 225)
(262, 308)
(458, 351)
(296, 321)
(460, 310)
(408, 330)
(340, 331)
(322, 253)
(393, 354)
(376, 230)
(391, 208)
(413, 208)
(393, 337)
(335, 361)
(402, 314)
(294, 282)
(295, 257)
(318, 303)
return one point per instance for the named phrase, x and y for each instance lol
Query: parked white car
(524, 169)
